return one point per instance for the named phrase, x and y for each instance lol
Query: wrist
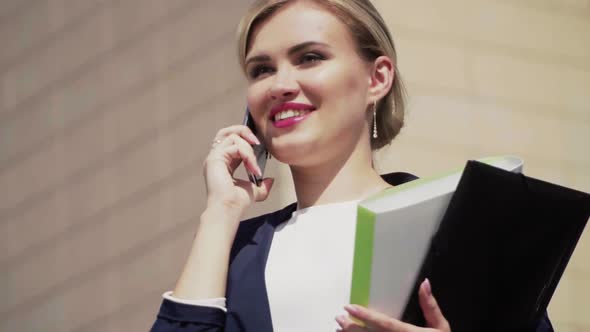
(224, 208)
(222, 216)
(215, 230)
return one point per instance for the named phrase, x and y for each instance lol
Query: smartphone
(259, 150)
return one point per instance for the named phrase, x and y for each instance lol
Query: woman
(324, 93)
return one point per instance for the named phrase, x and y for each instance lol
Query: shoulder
(248, 228)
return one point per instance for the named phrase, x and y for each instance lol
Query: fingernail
(427, 287)
(255, 139)
(351, 308)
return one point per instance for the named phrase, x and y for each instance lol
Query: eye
(310, 58)
(259, 70)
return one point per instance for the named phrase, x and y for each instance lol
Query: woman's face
(308, 87)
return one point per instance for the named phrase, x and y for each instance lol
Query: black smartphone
(259, 150)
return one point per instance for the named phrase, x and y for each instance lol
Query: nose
(284, 86)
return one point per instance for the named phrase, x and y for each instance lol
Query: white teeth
(289, 114)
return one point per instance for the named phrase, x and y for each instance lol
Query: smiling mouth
(289, 114)
(289, 118)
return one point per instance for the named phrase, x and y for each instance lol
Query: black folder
(500, 250)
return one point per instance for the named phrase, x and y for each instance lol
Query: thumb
(432, 313)
(261, 192)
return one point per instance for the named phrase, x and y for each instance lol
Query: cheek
(256, 95)
(343, 88)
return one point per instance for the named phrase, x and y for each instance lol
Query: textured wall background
(107, 109)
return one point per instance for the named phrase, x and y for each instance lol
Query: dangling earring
(374, 119)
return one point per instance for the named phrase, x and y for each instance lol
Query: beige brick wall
(106, 109)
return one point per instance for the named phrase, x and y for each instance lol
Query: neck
(343, 179)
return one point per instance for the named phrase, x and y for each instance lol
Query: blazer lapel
(247, 300)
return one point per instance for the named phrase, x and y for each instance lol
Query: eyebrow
(294, 49)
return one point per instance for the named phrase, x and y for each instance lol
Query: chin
(299, 153)
(304, 158)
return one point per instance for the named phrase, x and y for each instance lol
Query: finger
(347, 325)
(241, 130)
(256, 193)
(377, 320)
(432, 313)
(248, 152)
(238, 150)
(261, 192)
(227, 152)
(237, 154)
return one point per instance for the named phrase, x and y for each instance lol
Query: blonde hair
(373, 39)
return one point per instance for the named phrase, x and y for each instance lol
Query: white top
(309, 269)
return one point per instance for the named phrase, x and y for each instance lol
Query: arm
(210, 253)
(203, 277)
(205, 272)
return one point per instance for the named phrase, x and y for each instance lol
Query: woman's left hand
(375, 321)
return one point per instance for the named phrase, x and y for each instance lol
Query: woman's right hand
(231, 147)
(205, 272)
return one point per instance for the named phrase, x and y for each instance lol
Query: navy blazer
(247, 302)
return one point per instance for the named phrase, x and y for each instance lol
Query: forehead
(299, 22)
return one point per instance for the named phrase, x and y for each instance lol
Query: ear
(381, 78)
